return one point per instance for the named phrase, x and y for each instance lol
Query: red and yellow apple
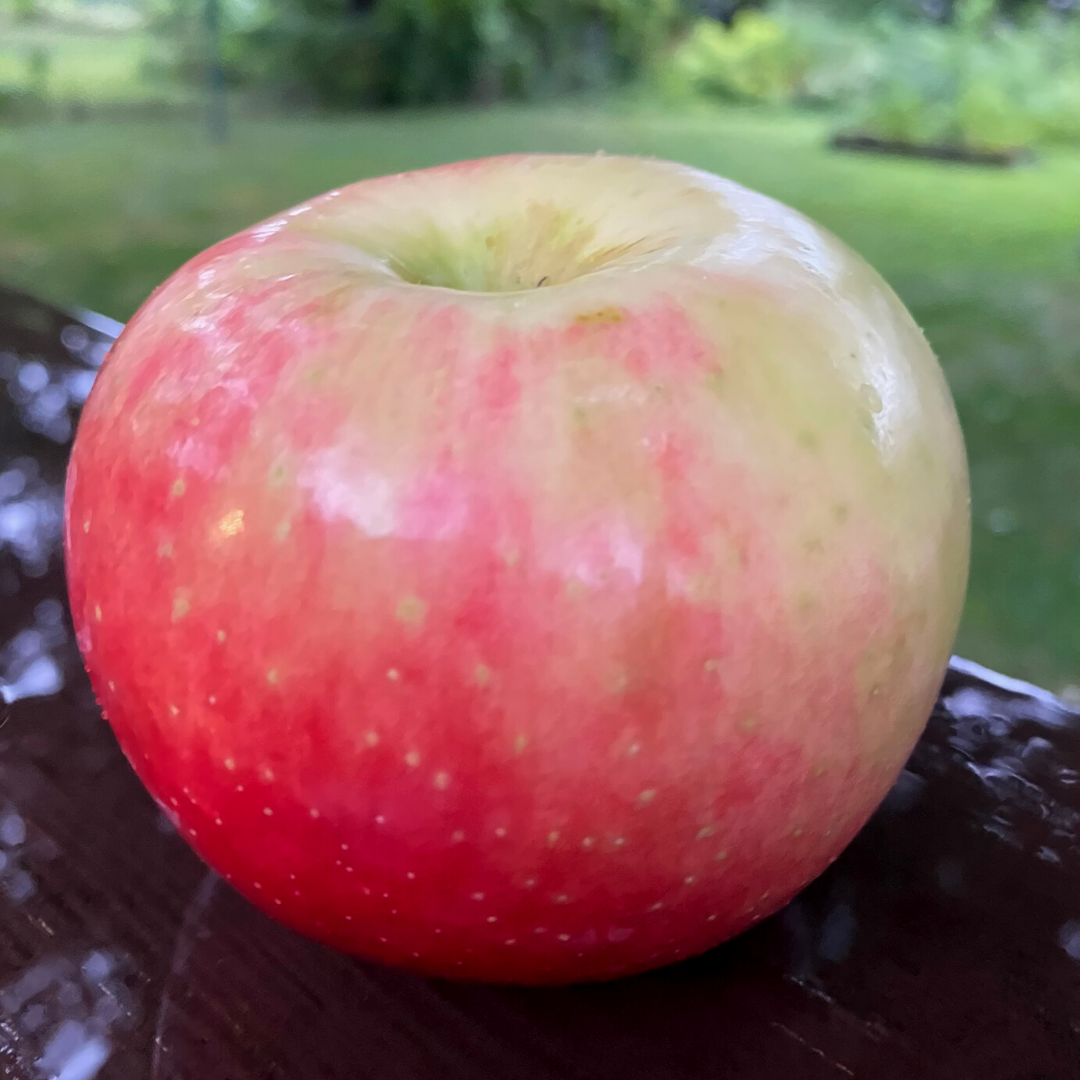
(533, 569)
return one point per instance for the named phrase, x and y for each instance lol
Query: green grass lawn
(81, 64)
(989, 262)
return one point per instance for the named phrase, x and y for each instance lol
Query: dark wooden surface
(945, 943)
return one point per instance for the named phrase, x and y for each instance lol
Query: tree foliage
(398, 52)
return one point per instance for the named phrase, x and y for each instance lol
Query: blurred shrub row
(980, 81)
(976, 74)
(415, 52)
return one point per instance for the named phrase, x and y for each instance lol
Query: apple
(534, 569)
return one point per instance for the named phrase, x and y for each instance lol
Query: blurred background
(942, 140)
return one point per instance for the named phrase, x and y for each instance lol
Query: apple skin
(516, 633)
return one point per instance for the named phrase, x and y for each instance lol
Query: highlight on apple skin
(534, 570)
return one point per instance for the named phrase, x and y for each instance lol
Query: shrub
(756, 58)
(981, 83)
(791, 54)
(1056, 109)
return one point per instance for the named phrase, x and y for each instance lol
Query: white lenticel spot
(344, 847)
(564, 937)
(689, 879)
(711, 918)
(441, 781)
(657, 906)
(412, 758)
(500, 831)
(492, 918)
(217, 821)
(721, 856)
(257, 884)
(553, 836)
(221, 635)
(619, 841)
(437, 930)
(478, 896)
(174, 710)
(457, 836)
(112, 685)
(540, 930)
(416, 955)
(232, 524)
(276, 900)
(633, 748)
(348, 869)
(272, 676)
(97, 612)
(529, 883)
(705, 832)
(587, 842)
(296, 892)
(313, 812)
(562, 898)
(229, 763)
(191, 832)
(86, 526)
(173, 799)
(393, 674)
(520, 743)
(372, 738)
(267, 773)
(268, 812)
(411, 876)
(212, 700)
(379, 819)
(647, 795)
(511, 941)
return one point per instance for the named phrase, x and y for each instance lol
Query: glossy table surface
(944, 943)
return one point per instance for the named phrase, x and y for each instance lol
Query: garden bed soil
(1019, 155)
